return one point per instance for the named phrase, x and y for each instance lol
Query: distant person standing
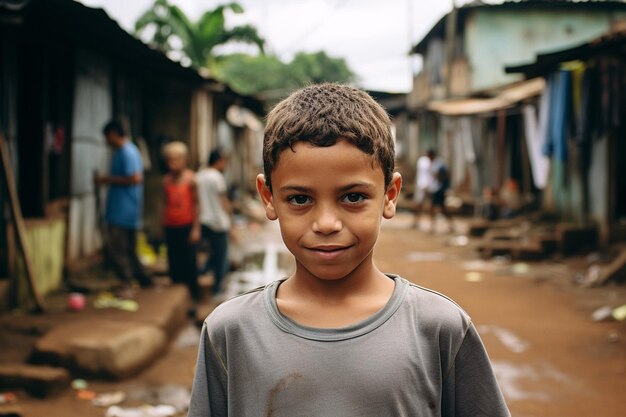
(124, 205)
(180, 218)
(439, 185)
(215, 210)
(423, 180)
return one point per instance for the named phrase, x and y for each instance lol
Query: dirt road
(551, 359)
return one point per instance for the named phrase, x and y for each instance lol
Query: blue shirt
(124, 202)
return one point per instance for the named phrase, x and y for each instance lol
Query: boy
(338, 337)
(180, 218)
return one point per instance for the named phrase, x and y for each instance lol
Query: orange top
(179, 200)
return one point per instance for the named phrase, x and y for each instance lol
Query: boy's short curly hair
(322, 114)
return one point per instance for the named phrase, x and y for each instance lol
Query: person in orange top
(180, 218)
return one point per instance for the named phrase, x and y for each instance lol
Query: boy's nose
(327, 221)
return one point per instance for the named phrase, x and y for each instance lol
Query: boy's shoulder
(239, 309)
(436, 309)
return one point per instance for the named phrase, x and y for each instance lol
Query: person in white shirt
(423, 183)
(215, 211)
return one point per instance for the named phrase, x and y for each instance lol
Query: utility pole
(450, 41)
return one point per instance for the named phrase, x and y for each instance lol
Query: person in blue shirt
(123, 205)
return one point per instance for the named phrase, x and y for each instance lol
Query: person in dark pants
(180, 218)
(123, 205)
(215, 210)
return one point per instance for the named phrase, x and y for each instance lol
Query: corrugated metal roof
(545, 63)
(507, 97)
(438, 29)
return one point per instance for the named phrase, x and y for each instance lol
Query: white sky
(374, 36)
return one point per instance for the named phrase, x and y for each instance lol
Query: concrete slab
(40, 381)
(102, 347)
(165, 308)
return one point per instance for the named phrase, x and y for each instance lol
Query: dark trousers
(121, 249)
(181, 258)
(218, 255)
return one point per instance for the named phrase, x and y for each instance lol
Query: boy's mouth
(328, 251)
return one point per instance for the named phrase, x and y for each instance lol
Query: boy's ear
(266, 197)
(391, 196)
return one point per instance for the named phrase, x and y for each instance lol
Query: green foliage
(174, 31)
(170, 30)
(268, 74)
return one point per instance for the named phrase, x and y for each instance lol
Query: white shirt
(211, 189)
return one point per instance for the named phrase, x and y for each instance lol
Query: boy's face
(329, 202)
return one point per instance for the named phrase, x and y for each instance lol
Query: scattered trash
(109, 399)
(479, 265)
(426, 256)
(619, 313)
(79, 384)
(143, 411)
(177, 396)
(85, 394)
(460, 240)
(7, 398)
(602, 313)
(473, 277)
(188, 337)
(502, 259)
(76, 301)
(520, 269)
(615, 270)
(108, 300)
(593, 276)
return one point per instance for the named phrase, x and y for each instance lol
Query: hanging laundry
(535, 134)
(560, 109)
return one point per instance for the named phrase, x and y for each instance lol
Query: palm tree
(173, 31)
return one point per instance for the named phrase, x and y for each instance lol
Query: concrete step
(115, 343)
(39, 381)
(115, 349)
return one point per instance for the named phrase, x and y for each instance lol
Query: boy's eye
(298, 200)
(353, 198)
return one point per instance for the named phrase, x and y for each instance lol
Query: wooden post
(18, 222)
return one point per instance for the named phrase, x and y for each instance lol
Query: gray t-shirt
(418, 356)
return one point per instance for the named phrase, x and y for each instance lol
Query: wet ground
(550, 357)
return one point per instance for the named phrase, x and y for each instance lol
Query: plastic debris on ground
(143, 411)
(619, 313)
(426, 256)
(458, 241)
(85, 394)
(108, 300)
(109, 399)
(79, 384)
(177, 396)
(7, 398)
(188, 337)
(520, 269)
(473, 276)
(602, 313)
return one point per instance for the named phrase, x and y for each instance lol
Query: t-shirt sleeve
(470, 388)
(132, 162)
(209, 391)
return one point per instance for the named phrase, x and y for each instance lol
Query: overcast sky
(374, 36)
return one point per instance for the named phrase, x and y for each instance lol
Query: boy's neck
(317, 302)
